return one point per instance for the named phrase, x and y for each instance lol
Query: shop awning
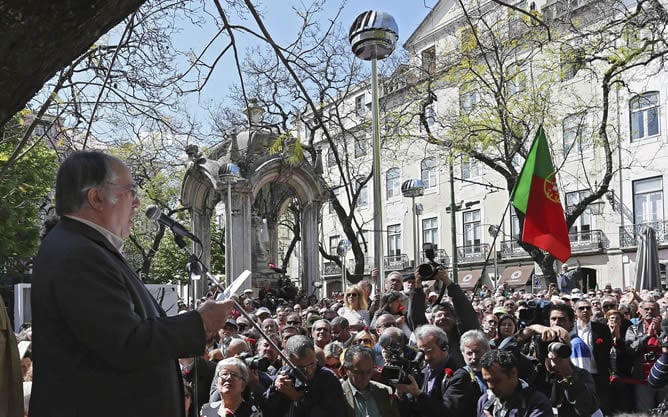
(516, 276)
(468, 279)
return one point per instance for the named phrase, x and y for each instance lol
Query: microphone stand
(193, 260)
(194, 268)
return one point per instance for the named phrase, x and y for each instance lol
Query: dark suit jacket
(601, 339)
(101, 344)
(457, 396)
(382, 394)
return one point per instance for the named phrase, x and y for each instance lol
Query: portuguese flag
(537, 197)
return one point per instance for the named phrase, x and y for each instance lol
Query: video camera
(428, 269)
(255, 362)
(536, 312)
(398, 367)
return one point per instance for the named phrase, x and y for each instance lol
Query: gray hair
(298, 346)
(340, 321)
(471, 336)
(234, 361)
(80, 172)
(431, 330)
(357, 350)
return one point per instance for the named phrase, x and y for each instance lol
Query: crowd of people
(99, 344)
(496, 352)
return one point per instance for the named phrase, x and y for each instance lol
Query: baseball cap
(262, 310)
(231, 322)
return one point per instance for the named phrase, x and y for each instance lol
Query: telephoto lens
(560, 349)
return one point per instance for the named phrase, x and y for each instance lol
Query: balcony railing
(587, 241)
(396, 262)
(472, 253)
(440, 257)
(331, 269)
(511, 249)
(628, 235)
(368, 264)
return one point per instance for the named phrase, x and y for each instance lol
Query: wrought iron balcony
(511, 249)
(628, 235)
(440, 257)
(472, 253)
(587, 241)
(397, 262)
(331, 269)
(368, 264)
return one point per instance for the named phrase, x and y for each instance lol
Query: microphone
(154, 213)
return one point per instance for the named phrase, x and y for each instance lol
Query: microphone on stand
(153, 212)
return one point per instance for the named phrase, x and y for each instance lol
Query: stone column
(241, 228)
(310, 255)
(201, 221)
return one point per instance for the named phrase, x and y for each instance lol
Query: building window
(648, 200)
(516, 80)
(515, 231)
(468, 101)
(394, 240)
(392, 186)
(470, 168)
(333, 243)
(331, 158)
(645, 115)
(430, 230)
(363, 198)
(572, 60)
(575, 134)
(429, 172)
(472, 231)
(581, 228)
(360, 105)
(361, 147)
(429, 59)
(330, 207)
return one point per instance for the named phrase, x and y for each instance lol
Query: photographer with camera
(561, 357)
(306, 391)
(447, 388)
(453, 318)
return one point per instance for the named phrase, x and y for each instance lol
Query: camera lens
(426, 271)
(561, 350)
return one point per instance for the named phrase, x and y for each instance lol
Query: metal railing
(472, 253)
(396, 262)
(440, 257)
(628, 235)
(589, 240)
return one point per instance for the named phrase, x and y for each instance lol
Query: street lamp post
(342, 251)
(412, 189)
(229, 174)
(493, 231)
(453, 221)
(373, 36)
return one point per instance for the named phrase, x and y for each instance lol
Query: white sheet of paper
(235, 286)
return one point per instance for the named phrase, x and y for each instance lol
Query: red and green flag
(537, 197)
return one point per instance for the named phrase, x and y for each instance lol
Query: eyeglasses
(305, 367)
(229, 375)
(365, 341)
(131, 188)
(293, 323)
(608, 305)
(352, 294)
(582, 308)
(321, 329)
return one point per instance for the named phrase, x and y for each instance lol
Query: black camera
(255, 362)
(428, 270)
(298, 381)
(560, 349)
(398, 367)
(536, 312)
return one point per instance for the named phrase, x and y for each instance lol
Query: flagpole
(491, 248)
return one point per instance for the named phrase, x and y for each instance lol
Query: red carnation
(599, 341)
(448, 372)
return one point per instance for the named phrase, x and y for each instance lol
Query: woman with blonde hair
(355, 308)
(365, 338)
